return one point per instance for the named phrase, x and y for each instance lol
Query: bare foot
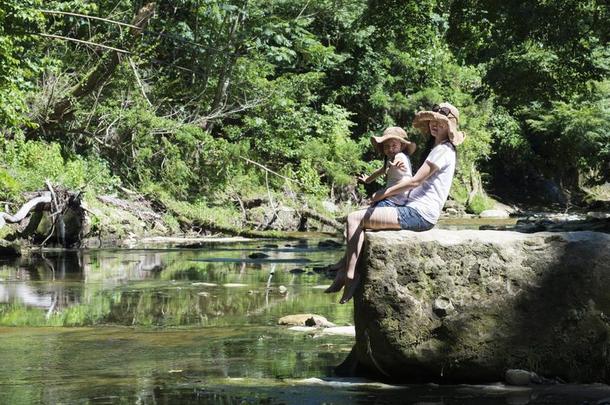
(351, 284)
(337, 284)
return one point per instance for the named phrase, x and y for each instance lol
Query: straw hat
(442, 112)
(394, 133)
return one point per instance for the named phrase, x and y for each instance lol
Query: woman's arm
(369, 179)
(425, 171)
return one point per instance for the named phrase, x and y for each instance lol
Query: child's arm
(369, 179)
(402, 163)
(408, 183)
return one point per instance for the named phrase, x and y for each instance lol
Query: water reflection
(222, 346)
(219, 285)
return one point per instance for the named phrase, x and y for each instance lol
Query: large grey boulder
(465, 306)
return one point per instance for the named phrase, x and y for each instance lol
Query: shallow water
(195, 326)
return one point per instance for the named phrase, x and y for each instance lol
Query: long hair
(426, 151)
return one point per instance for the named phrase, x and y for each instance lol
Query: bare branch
(270, 171)
(135, 72)
(80, 41)
(89, 17)
(222, 112)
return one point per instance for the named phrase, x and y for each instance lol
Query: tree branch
(5, 218)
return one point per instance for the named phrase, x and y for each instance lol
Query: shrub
(27, 164)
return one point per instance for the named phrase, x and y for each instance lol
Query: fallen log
(309, 213)
(5, 218)
(56, 215)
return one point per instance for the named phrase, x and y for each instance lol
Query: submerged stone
(465, 306)
(258, 255)
(329, 243)
(296, 271)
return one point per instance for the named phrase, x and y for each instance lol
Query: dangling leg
(357, 222)
(337, 284)
(353, 221)
(339, 265)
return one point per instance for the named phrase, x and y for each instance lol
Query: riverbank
(131, 219)
(112, 221)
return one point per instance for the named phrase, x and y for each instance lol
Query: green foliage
(27, 164)
(17, 18)
(575, 137)
(539, 60)
(299, 87)
(479, 203)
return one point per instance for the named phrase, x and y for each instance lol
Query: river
(196, 325)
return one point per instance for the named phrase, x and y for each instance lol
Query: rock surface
(305, 320)
(497, 213)
(465, 306)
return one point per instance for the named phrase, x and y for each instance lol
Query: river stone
(537, 302)
(278, 218)
(598, 215)
(305, 320)
(519, 377)
(258, 255)
(494, 214)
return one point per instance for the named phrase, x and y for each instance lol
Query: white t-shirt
(394, 175)
(428, 198)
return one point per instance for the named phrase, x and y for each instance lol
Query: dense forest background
(179, 103)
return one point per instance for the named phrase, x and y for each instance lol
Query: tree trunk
(99, 74)
(224, 77)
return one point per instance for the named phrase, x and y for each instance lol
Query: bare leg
(371, 218)
(339, 267)
(341, 263)
(337, 284)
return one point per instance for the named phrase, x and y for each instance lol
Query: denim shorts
(408, 217)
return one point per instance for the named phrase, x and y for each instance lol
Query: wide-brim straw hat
(443, 112)
(393, 133)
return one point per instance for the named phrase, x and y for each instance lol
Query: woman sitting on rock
(429, 190)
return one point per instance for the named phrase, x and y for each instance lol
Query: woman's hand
(363, 178)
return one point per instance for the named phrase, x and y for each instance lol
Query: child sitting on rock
(392, 144)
